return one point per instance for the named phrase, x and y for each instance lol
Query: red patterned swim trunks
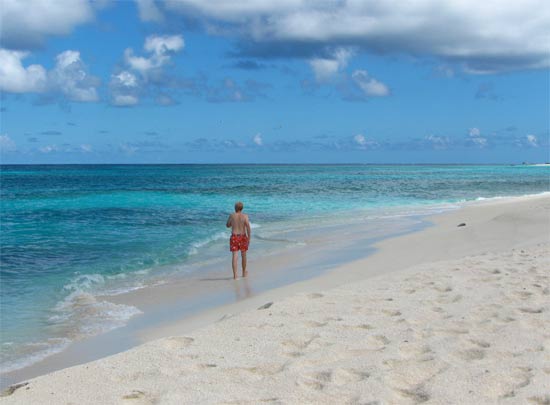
(238, 242)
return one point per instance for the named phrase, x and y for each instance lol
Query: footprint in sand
(540, 400)
(391, 312)
(480, 343)
(300, 344)
(138, 397)
(265, 370)
(443, 289)
(315, 324)
(471, 354)
(532, 310)
(418, 394)
(520, 378)
(365, 326)
(419, 352)
(316, 381)
(339, 377)
(376, 342)
(178, 342)
(203, 366)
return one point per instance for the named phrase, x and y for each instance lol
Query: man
(240, 236)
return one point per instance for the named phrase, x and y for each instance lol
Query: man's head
(239, 206)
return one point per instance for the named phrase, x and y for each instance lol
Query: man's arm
(228, 224)
(248, 231)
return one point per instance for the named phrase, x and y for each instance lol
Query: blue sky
(191, 81)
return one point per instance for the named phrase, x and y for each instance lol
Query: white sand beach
(446, 315)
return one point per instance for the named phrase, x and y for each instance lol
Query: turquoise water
(72, 232)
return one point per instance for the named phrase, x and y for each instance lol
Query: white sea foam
(505, 197)
(195, 246)
(84, 282)
(80, 314)
(34, 352)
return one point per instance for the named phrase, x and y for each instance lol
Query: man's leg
(235, 257)
(243, 257)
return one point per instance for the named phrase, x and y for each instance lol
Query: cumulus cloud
(326, 68)
(26, 23)
(257, 139)
(127, 85)
(69, 77)
(160, 48)
(369, 85)
(148, 11)
(438, 142)
(485, 37)
(360, 140)
(481, 142)
(532, 140)
(476, 139)
(15, 78)
(124, 89)
(49, 148)
(474, 132)
(7, 144)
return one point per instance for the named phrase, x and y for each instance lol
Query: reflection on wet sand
(242, 289)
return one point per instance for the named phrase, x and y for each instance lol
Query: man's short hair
(239, 206)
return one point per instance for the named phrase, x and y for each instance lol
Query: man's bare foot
(245, 273)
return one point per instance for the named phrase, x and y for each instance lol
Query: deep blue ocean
(72, 232)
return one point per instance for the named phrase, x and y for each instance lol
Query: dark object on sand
(265, 306)
(462, 224)
(12, 388)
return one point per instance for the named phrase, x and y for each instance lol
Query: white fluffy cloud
(159, 48)
(127, 86)
(360, 140)
(325, 68)
(69, 77)
(15, 78)
(25, 23)
(489, 36)
(49, 148)
(476, 139)
(437, 142)
(257, 139)
(532, 140)
(7, 144)
(369, 85)
(473, 132)
(124, 89)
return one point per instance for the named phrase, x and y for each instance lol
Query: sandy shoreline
(443, 314)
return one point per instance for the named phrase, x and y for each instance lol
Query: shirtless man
(240, 236)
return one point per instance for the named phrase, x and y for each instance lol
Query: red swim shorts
(238, 242)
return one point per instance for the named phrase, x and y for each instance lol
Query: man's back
(239, 222)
